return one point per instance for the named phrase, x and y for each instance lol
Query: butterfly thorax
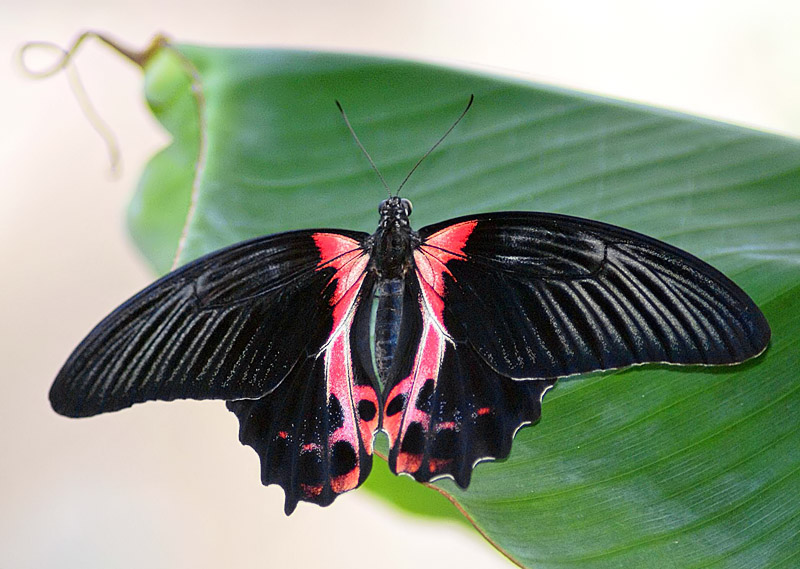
(393, 243)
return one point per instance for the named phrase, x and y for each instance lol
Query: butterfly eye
(407, 206)
(382, 206)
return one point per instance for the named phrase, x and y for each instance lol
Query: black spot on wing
(335, 414)
(414, 439)
(425, 395)
(366, 410)
(396, 405)
(344, 458)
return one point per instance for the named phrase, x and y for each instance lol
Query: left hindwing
(506, 297)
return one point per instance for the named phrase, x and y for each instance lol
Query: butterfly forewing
(228, 325)
(543, 296)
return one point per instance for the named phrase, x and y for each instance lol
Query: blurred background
(169, 485)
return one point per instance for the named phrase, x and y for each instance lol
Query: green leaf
(649, 467)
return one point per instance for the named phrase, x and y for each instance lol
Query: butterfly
(446, 338)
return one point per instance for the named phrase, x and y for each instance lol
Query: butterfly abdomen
(388, 316)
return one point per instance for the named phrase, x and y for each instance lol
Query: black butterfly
(446, 338)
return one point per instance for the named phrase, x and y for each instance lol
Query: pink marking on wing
(339, 373)
(333, 247)
(431, 262)
(427, 364)
(345, 482)
(452, 239)
(348, 257)
(339, 376)
(409, 463)
(430, 278)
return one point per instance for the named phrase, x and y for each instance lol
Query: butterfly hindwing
(543, 295)
(450, 410)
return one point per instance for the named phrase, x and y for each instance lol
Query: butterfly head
(394, 212)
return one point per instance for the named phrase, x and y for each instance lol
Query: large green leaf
(650, 467)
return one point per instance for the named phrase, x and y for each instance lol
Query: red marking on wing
(349, 259)
(435, 464)
(426, 365)
(431, 261)
(310, 490)
(484, 411)
(407, 462)
(345, 482)
(452, 239)
(339, 373)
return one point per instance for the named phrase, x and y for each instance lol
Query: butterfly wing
(546, 295)
(314, 432)
(534, 297)
(266, 322)
(447, 410)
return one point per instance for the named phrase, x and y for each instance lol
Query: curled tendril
(65, 63)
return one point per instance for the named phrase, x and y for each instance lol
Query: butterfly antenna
(438, 142)
(364, 150)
